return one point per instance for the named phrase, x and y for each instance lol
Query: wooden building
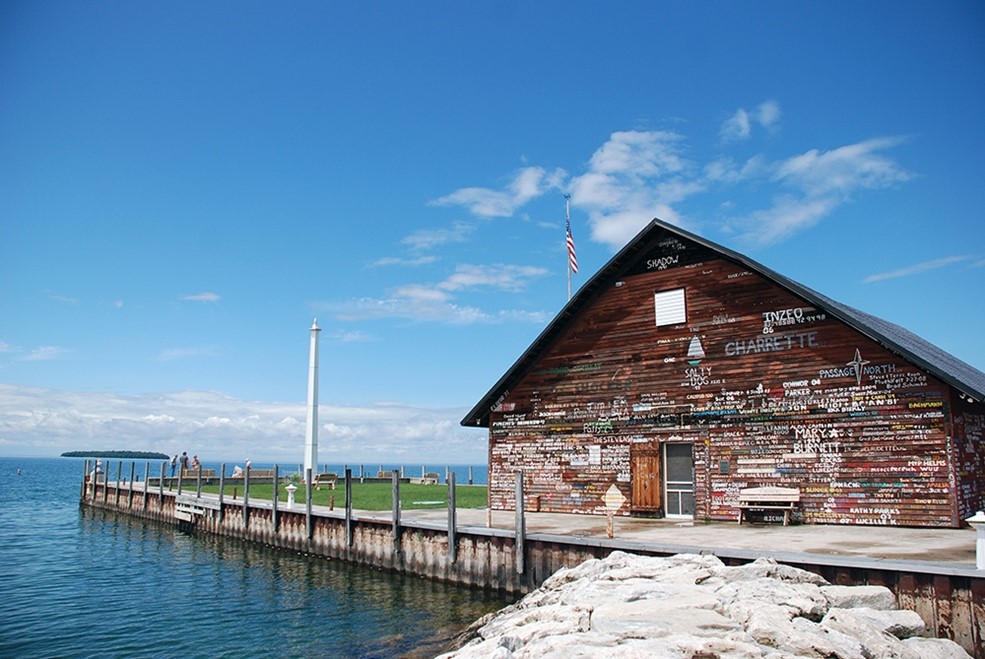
(683, 373)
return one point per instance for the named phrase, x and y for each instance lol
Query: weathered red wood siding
(785, 394)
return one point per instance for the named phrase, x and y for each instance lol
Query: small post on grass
(470, 474)
(521, 525)
(348, 507)
(452, 540)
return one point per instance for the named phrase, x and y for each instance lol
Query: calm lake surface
(76, 583)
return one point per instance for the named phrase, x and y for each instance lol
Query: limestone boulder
(690, 606)
(850, 597)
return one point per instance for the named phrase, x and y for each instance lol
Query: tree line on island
(123, 455)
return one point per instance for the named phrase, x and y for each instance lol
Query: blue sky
(185, 185)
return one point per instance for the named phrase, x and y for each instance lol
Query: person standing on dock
(174, 464)
(184, 461)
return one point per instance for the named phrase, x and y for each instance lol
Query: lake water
(85, 583)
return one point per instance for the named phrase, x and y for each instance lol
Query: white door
(679, 480)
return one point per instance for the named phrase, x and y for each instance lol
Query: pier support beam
(521, 526)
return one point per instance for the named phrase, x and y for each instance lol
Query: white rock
(654, 618)
(936, 648)
(877, 642)
(803, 599)
(690, 606)
(900, 623)
(850, 597)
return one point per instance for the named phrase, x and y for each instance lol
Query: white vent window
(670, 307)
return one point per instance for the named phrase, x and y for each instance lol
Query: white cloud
(844, 170)
(917, 268)
(36, 421)
(351, 336)
(172, 354)
(45, 353)
(431, 238)
(785, 217)
(640, 154)
(632, 178)
(403, 263)
(499, 276)
(204, 296)
(436, 302)
(526, 184)
(739, 125)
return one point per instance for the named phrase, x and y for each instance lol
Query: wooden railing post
(274, 511)
(222, 487)
(452, 520)
(133, 468)
(146, 482)
(119, 477)
(160, 485)
(348, 507)
(246, 497)
(395, 481)
(198, 481)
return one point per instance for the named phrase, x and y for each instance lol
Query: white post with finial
(311, 432)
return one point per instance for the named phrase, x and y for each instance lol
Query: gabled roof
(913, 349)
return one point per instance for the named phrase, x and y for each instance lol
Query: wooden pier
(950, 599)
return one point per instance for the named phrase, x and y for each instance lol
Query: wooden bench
(261, 473)
(328, 480)
(193, 473)
(428, 479)
(769, 498)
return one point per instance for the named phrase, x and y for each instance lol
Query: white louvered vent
(670, 307)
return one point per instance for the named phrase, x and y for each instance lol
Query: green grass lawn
(366, 496)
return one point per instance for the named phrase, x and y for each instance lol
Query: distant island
(145, 455)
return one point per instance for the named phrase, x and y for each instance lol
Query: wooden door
(644, 465)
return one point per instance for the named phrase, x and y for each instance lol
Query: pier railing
(949, 599)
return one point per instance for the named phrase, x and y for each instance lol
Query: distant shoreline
(146, 455)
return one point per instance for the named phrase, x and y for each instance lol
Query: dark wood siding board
(781, 392)
(968, 441)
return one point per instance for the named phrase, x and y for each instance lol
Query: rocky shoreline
(693, 606)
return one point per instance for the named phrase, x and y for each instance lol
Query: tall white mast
(311, 433)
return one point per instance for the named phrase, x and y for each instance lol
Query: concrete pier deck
(941, 547)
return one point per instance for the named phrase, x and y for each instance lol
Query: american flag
(572, 259)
